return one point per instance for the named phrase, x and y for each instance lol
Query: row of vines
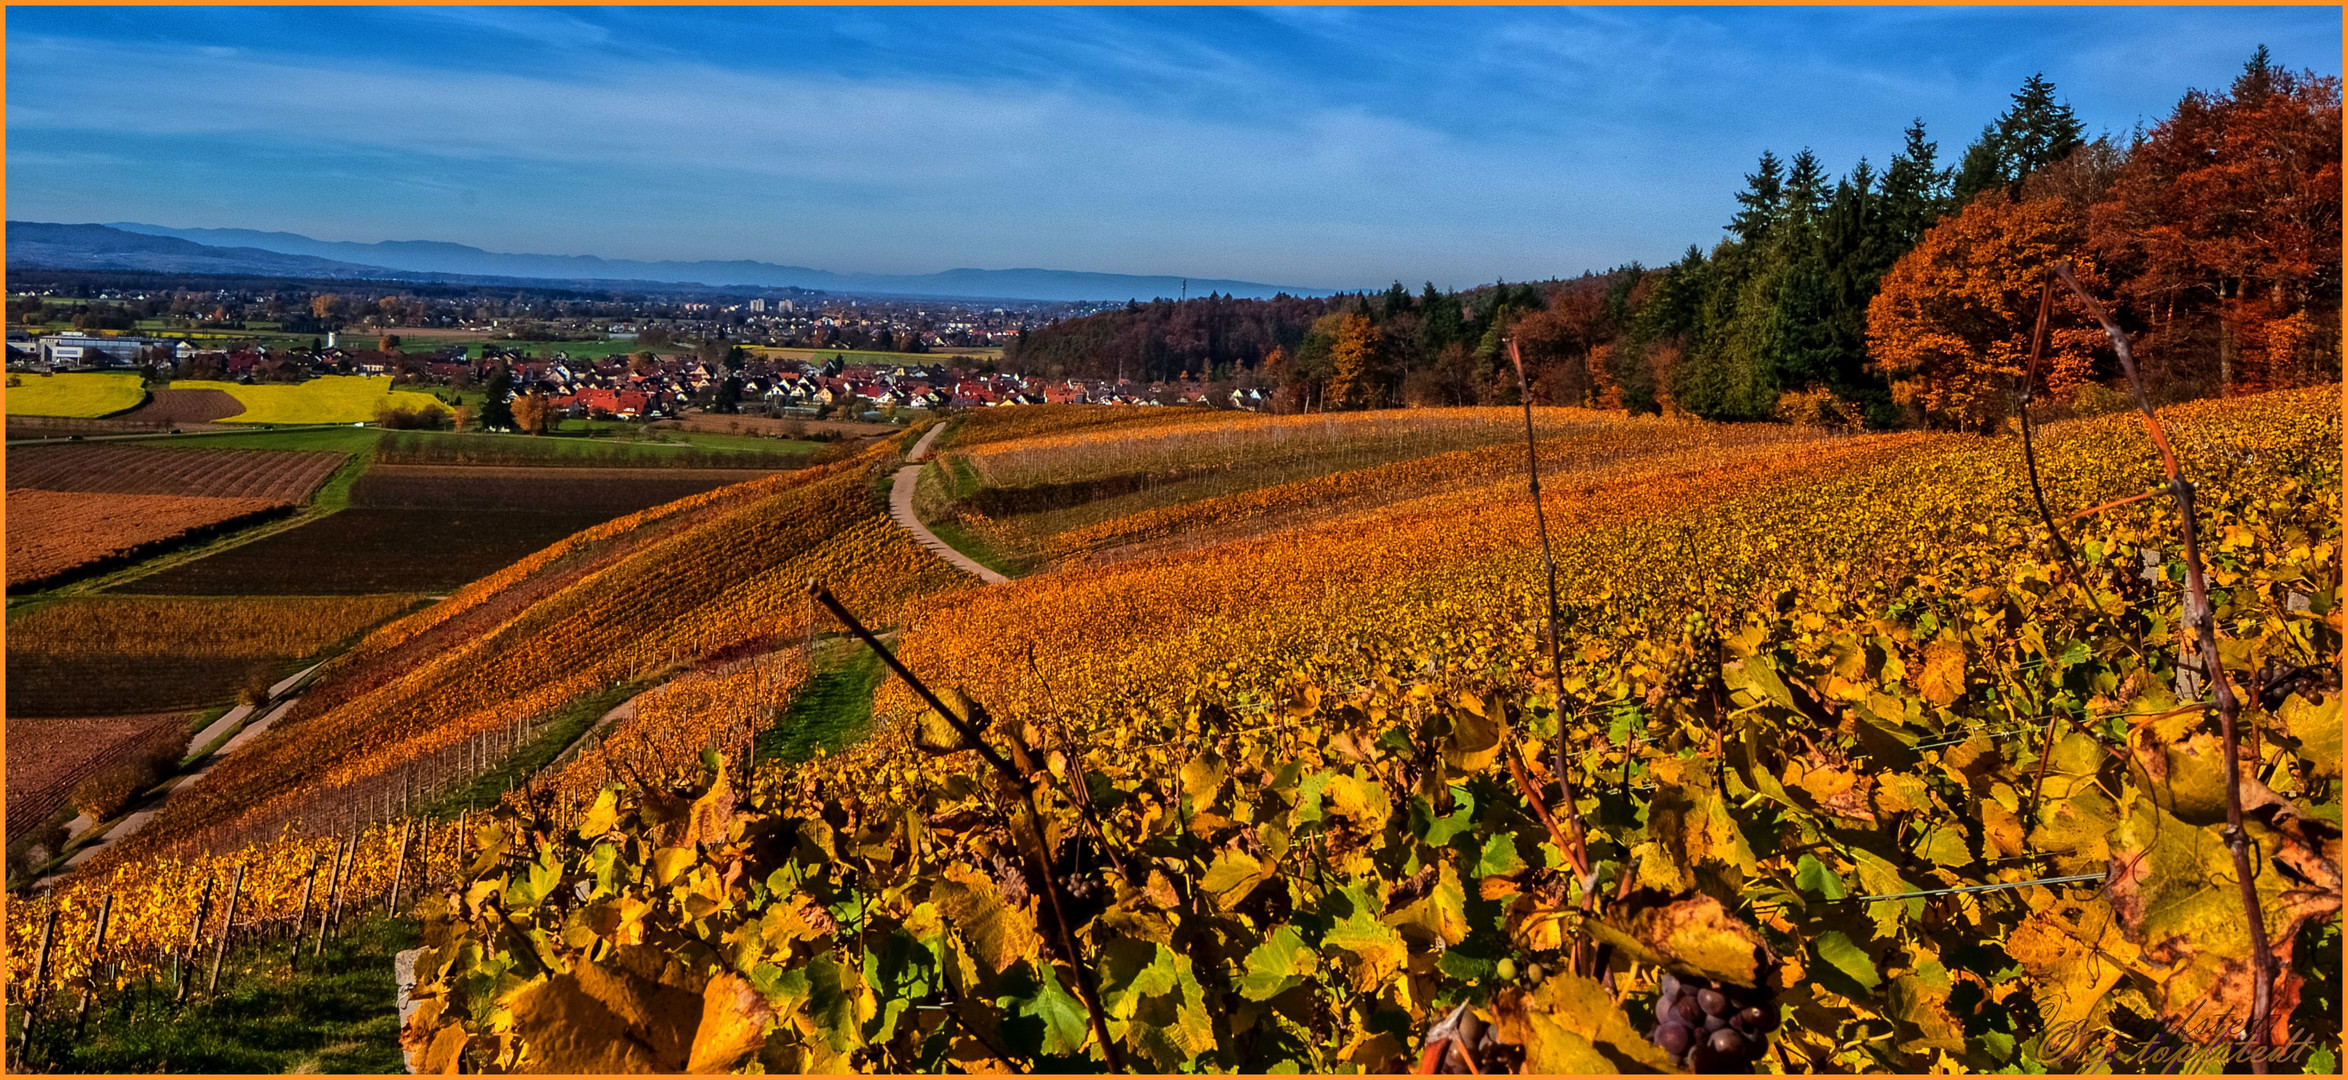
(1847, 736)
(1939, 798)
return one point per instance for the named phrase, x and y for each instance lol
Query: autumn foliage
(1951, 330)
(2225, 223)
(2216, 239)
(2217, 234)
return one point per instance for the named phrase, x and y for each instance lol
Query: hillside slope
(627, 601)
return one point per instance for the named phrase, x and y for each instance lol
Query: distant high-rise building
(758, 305)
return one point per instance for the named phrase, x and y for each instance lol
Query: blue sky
(1306, 146)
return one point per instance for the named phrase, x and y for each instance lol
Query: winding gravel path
(901, 511)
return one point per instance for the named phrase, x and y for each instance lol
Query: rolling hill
(433, 257)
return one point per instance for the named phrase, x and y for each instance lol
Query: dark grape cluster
(1711, 1029)
(1086, 896)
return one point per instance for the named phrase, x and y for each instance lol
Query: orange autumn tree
(1561, 343)
(531, 413)
(1950, 330)
(2223, 232)
(1357, 375)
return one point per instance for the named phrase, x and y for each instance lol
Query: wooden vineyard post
(334, 889)
(302, 917)
(179, 992)
(32, 998)
(399, 867)
(97, 949)
(342, 879)
(220, 952)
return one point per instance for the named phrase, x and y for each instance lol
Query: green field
(81, 394)
(663, 434)
(348, 440)
(580, 447)
(868, 356)
(596, 349)
(717, 440)
(332, 399)
(833, 710)
(263, 334)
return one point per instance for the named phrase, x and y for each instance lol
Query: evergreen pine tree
(1858, 241)
(1397, 301)
(1766, 335)
(1764, 190)
(1439, 321)
(1805, 189)
(1491, 353)
(1982, 167)
(2036, 131)
(2257, 80)
(1623, 282)
(497, 411)
(2039, 130)
(1915, 192)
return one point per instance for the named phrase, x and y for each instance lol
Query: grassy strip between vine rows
(330, 1015)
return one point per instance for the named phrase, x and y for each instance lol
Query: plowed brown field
(51, 533)
(277, 475)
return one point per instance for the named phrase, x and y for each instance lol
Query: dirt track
(901, 511)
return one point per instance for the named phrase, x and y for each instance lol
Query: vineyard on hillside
(1840, 750)
(1884, 759)
(1099, 487)
(90, 655)
(627, 601)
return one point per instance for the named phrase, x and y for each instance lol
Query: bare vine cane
(1576, 838)
(2038, 495)
(1020, 781)
(2198, 615)
(2029, 447)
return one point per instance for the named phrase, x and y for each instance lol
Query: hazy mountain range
(137, 246)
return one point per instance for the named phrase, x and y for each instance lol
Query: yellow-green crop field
(81, 394)
(330, 399)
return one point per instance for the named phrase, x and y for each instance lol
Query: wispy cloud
(1321, 146)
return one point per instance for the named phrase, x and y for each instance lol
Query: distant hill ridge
(58, 246)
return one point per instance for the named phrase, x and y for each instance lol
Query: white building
(75, 350)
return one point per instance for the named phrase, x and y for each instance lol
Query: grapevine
(1858, 752)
